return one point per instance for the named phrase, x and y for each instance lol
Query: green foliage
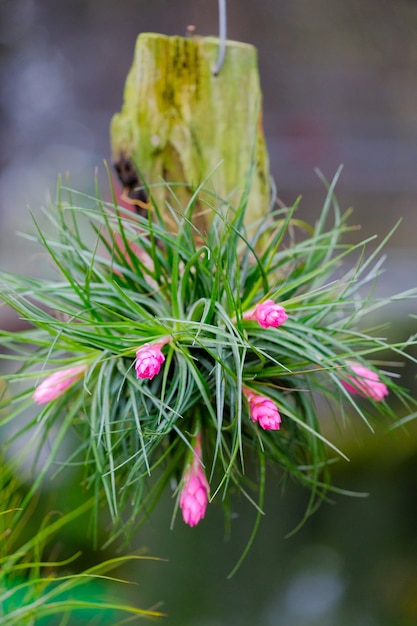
(33, 589)
(124, 280)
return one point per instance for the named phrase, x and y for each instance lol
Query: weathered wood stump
(180, 123)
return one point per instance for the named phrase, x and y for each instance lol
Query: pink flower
(195, 492)
(263, 411)
(149, 359)
(366, 383)
(267, 314)
(57, 383)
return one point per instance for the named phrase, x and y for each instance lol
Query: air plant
(179, 354)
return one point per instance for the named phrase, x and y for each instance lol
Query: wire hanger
(222, 38)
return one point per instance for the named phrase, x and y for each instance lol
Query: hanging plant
(175, 357)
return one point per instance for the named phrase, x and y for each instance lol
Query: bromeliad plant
(177, 356)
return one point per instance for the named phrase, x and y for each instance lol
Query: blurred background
(339, 79)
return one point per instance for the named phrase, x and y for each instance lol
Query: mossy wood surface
(179, 121)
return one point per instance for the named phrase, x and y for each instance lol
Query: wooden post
(179, 121)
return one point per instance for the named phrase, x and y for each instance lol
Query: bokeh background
(340, 87)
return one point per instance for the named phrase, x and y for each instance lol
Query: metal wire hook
(222, 37)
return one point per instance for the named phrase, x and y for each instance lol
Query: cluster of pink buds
(365, 383)
(55, 384)
(195, 488)
(195, 491)
(263, 410)
(267, 314)
(149, 359)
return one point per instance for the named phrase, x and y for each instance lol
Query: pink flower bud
(57, 383)
(267, 314)
(263, 411)
(195, 492)
(149, 359)
(366, 383)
